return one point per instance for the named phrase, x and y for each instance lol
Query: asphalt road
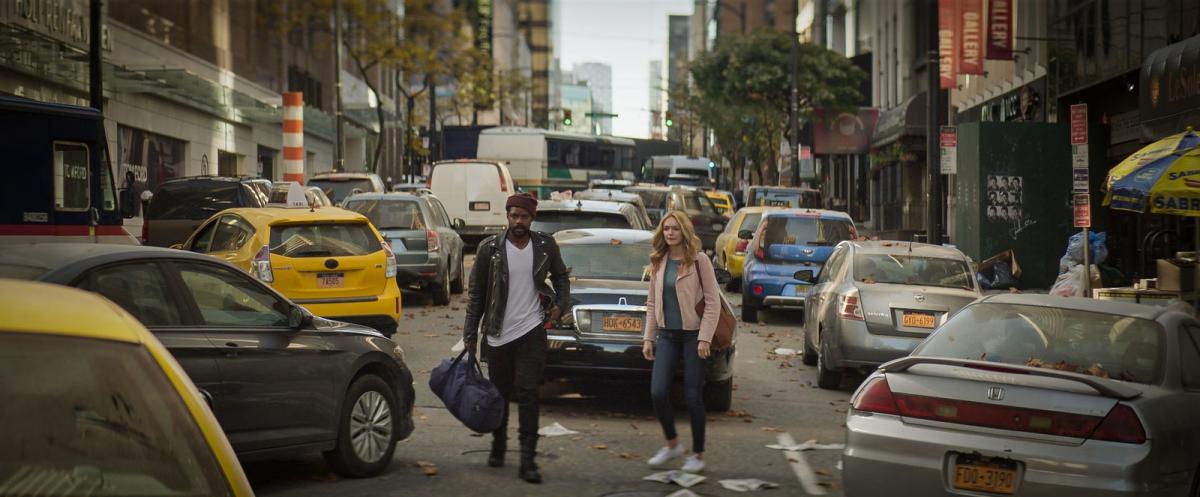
(774, 395)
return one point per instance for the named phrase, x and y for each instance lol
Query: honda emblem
(995, 393)
(919, 297)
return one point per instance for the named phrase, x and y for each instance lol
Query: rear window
(698, 203)
(95, 417)
(390, 214)
(786, 198)
(1104, 345)
(324, 240)
(337, 190)
(909, 270)
(788, 230)
(553, 222)
(193, 199)
(654, 199)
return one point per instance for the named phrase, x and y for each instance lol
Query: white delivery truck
(678, 170)
(474, 191)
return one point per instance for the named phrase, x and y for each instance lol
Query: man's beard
(519, 231)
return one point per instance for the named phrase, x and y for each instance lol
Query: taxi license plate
(996, 477)
(918, 320)
(331, 280)
(622, 323)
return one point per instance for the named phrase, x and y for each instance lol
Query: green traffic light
(566, 122)
(670, 123)
(712, 165)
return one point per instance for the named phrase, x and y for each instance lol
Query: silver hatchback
(875, 301)
(1034, 395)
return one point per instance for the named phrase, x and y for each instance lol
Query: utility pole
(432, 114)
(933, 215)
(794, 110)
(339, 148)
(95, 44)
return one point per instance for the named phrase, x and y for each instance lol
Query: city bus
(59, 186)
(542, 161)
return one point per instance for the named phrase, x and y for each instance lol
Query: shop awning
(1170, 89)
(906, 119)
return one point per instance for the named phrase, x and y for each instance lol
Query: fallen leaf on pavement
(576, 439)
(430, 469)
(737, 413)
(821, 472)
(430, 335)
(600, 447)
(773, 429)
(766, 395)
(633, 425)
(747, 420)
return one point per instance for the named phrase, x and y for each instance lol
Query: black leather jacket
(489, 282)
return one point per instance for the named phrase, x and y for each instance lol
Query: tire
(456, 285)
(827, 379)
(734, 285)
(368, 394)
(749, 311)
(810, 356)
(718, 395)
(441, 289)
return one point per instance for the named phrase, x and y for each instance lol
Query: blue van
(786, 242)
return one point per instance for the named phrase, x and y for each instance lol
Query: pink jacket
(690, 286)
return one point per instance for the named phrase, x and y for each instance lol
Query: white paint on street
(808, 479)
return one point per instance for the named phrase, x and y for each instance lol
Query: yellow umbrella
(1162, 178)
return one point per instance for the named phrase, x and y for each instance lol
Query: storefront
(897, 170)
(1023, 104)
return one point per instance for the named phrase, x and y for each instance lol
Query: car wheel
(749, 311)
(366, 429)
(810, 356)
(441, 290)
(734, 285)
(718, 395)
(456, 286)
(827, 379)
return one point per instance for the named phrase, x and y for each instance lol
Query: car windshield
(390, 214)
(323, 240)
(96, 417)
(337, 190)
(607, 261)
(686, 180)
(790, 230)
(193, 199)
(555, 221)
(1098, 344)
(654, 199)
(912, 270)
(698, 203)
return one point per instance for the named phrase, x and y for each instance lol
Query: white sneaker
(665, 454)
(693, 465)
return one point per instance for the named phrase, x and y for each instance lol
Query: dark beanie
(523, 200)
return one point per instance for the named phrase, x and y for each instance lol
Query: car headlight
(583, 321)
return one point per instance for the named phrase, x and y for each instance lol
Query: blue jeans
(671, 347)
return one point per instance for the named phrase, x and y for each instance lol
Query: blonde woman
(680, 276)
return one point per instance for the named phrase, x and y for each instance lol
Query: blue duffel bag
(467, 394)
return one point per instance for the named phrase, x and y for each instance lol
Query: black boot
(496, 456)
(529, 469)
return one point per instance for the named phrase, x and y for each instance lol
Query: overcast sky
(627, 35)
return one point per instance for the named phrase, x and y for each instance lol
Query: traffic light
(567, 117)
(712, 165)
(670, 119)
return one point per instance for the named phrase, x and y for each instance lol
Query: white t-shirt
(523, 311)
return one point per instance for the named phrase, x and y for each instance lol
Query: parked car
(704, 215)
(474, 191)
(617, 196)
(410, 187)
(139, 428)
(609, 184)
(330, 260)
(875, 301)
(722, 200)
(731, 248)
(313, 195)
(428, 252)
(316, 197)
(603, 338)
(655, 199)
(687, 180)
(279, 380)
(783, 196)
(179, 205)
(787, 242)
(1034, 395)
(338, 186)
(557, 215)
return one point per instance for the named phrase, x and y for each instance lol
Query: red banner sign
(1083, 211)
(970, 34)
(843, 132)
(948, 43)
(1079, 124)
(1000, 36)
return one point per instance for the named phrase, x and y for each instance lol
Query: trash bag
(1002, 275)
(1074, 255)
(1070, 283)
(984, 282)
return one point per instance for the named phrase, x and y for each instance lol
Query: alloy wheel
(370, 426)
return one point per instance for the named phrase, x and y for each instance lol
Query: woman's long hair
(658, 243)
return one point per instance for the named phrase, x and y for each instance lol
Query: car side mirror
(127, 201)
(804, 275)
(723, 276)
(745, 234)
(458, 223)
(298, 318)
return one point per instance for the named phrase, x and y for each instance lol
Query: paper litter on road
(747, 485)
(684, 493)
(555, 430)
(681, 478)
(809, 445)
(783, 351)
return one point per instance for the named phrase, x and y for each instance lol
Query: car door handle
(231, 349)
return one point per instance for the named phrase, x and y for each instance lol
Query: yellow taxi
(722, 200)
(731, 250)
(330, 260)
(93, 402)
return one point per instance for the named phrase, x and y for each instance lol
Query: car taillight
(390, 269)
(1121, 425)
(262, 265)
(877, 397)
(757, 289)
(434, 243)
(759, 254)
(849, 306)
(145, 232)
(741, 247)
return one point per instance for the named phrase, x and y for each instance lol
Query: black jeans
(516, 368)
(671, 347)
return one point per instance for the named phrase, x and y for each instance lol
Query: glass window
(338, 190)
(751, 221)
(791, 230)
(555, 221)
(1105, 345)
(232, 232)
(96, 417)
(140, 288)
(911, 270)
(229, 298)
(441, 211)
(202, 243)
(72, 190)
(107, 192)
(324, 240)
(734, 225)
(605, 261)
(1189, 357)
(390, 214)
(654, 199)
(193, 199)
(833, 266)
(698, 203)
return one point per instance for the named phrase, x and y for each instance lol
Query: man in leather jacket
(511, 304)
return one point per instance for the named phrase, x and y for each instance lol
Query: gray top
(670, 302)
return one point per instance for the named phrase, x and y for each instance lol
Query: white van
(474, 191)
(661, 168)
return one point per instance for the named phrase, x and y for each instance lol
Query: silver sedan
(875, 301)
(1034, 395)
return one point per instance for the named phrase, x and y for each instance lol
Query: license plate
(997, 478)
(622, 323)
(331, 280)
(918, 320)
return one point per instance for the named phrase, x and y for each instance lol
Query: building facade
(598, 77)
(657, 102)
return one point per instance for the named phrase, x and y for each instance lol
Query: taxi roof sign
(288, 194)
